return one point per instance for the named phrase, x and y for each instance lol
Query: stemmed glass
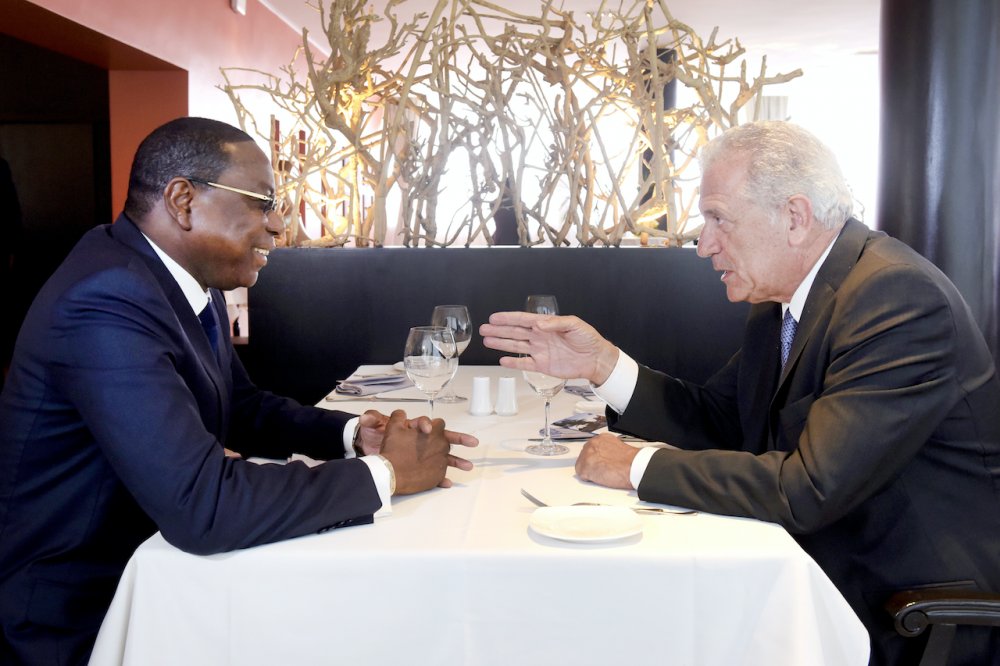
(430, 359)
(455, 318)
(544, 385)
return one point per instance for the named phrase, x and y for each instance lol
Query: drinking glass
(455, 318)
(541, 304)
(430, 360)
(542, 384)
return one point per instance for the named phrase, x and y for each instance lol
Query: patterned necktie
(210, 322)
(788, 326)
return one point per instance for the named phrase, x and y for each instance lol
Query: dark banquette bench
(316, 314)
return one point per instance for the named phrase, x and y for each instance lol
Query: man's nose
(707, 242)
(274, 224)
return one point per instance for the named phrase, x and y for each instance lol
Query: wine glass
(542, 384)
(541, 304)
(430, 359)
(455, 318)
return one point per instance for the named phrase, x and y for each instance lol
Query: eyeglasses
(271, 202)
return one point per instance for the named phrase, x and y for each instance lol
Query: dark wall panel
(317, 314)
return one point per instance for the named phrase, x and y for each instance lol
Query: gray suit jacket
(878, 446)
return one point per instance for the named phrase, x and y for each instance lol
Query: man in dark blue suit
(125, 404)
(869, 429)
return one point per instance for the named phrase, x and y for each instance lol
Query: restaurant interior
(905, 91)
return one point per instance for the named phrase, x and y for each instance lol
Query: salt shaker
(481, 403)
(507, 397)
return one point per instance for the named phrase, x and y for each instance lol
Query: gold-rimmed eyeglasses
(271, 202)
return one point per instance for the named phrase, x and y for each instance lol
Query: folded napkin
(362, 386)
(578, 426)
(582, 390)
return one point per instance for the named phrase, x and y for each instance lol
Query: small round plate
(585, 524)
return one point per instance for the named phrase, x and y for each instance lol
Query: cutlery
(369, 398)
(580, 438)
(637, 509)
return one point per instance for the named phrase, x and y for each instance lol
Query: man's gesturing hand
(566, 347)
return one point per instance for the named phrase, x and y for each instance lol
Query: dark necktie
(210, 322)
(788, 326)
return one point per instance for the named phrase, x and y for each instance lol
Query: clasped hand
(419, 449)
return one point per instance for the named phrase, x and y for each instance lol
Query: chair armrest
(914, 610)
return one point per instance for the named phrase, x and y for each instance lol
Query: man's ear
(177, 198)
(800, 219)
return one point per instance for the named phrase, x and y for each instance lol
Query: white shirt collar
(798, 302)
(196, 296)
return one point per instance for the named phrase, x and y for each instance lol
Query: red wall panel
(163, 59)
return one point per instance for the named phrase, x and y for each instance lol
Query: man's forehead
(249, 161)
(725, 176)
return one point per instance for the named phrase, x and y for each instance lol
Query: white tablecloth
(455, 576)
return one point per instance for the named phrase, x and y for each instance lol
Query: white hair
(785, 160)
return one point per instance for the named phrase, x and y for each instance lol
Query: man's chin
(250, 280)
(735, 295)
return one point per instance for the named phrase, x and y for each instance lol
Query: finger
(445, 483)
(505, 332)
(460, 438)
(372, 418)
(459, 463)
(499, 343)
(421, 423)
(432, 426)
(514, 318)
(556, 323)
(518, 362)
(507, 345)
(581, 466)
(398, 417)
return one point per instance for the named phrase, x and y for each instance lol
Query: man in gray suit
(862, 412)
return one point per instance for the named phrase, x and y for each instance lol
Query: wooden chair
(943, 610)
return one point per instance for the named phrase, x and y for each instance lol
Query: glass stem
(548, 440)
(431, 402)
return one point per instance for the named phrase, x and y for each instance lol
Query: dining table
(478, 574)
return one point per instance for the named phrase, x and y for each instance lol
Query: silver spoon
(637, 509)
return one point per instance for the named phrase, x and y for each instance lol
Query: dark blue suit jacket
(112, 426)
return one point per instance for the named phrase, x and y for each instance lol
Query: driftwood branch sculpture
(564, 118)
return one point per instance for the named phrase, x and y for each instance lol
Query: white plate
(585, 523)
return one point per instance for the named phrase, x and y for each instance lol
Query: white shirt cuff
(350, 432)
(639, 465)
(618, 388)
(380, 474)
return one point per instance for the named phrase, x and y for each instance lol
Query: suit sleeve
(271, 426)
(886, 379)
(686, 415)
(124, 361)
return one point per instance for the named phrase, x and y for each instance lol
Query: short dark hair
(183, 147)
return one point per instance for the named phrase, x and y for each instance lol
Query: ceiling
(792, 33)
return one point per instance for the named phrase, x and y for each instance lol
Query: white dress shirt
(618, 388)
(199, 298)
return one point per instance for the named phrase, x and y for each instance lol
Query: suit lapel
(126, 232)
(842, 258)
